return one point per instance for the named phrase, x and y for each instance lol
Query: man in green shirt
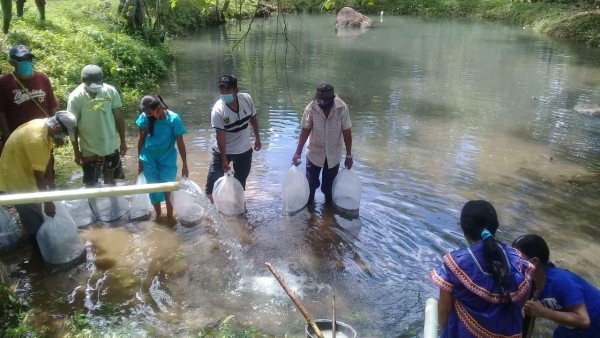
(100, 127)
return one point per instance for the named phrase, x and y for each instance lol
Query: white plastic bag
(11, 235)
(228, 195)
(58, 238)
(187, 202)
(346, 190)
(295, 190)
(140, 203)
(109, 209)
(81, 212)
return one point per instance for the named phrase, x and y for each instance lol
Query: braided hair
(479, 221)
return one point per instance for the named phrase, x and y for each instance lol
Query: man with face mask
(25, 159)
(325, 122)
(230, 117)
(97, 107)
(25, 94)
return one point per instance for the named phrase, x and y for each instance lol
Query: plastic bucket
(342, 330)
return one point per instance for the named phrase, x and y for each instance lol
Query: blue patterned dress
(478, 308)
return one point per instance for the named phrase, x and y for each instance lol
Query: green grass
(80, 32)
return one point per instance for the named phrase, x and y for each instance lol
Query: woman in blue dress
(563, 296)
(159, 130)
(482, 286)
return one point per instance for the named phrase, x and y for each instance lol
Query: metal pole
(430, 329)
(59, 195)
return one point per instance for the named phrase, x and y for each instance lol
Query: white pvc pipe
(59, 195)
(430, 329)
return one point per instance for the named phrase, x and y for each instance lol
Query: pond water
(443, 111)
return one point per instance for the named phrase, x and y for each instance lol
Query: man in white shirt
(325, 123)
(230, 117)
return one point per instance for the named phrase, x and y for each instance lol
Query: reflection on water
(442, 112)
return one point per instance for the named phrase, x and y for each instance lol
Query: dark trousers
(31, 216)
(312, 175)
(241, 168)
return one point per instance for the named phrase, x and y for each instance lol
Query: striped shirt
(325, 140)
(235, 124)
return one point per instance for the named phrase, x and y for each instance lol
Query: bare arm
(42, 185)
(120, 124)
(140, 146)
(4, 127)
(76, 151)
(181, 147)
(304, 133)
(347, 134)
(222, 149)
(445, 305)
(575, 316)
(254, 123)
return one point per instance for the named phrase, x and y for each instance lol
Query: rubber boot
(20, 6)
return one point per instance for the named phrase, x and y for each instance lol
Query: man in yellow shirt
(24, 161)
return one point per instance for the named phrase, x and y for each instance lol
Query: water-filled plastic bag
(187, 202)
(295, 190)
(228, 195)
(11, 235)
(346, 190)
(109, 209)
(81, 212)
(58, 238)
(140, 203)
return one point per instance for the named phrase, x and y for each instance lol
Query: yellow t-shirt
(27, 150)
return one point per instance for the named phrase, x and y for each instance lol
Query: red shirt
(18, 106)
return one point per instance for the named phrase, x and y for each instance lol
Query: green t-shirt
(95, 120)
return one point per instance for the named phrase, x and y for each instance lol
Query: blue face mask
(25, 68)
(227, 98)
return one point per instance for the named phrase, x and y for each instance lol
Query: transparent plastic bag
(295, 190)
(187, 202)
(58, 238)
(140, 203)
(346, 190)
(228, 195)
(81, 212)
(11, 235)
(109, 209)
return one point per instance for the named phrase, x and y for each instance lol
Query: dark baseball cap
(228, 81)
(324, 92)
(20, 52)
(92, 73)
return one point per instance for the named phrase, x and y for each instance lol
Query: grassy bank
(80, 32)
(572, 20)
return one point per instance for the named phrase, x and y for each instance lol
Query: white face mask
(94, 87)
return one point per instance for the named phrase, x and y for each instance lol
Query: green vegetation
(573, 20)
(81, 32)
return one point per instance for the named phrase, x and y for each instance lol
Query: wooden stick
(296, 301)
(333, 323)
(529, 321)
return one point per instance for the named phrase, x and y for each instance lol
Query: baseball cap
(324, 92)
(67, 121)
(228, 81)
(92, 73)
(19, 52)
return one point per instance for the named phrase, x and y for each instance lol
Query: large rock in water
(348, 18)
